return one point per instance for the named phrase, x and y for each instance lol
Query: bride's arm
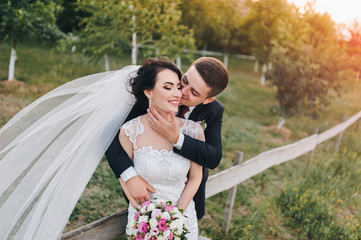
(194, 180)
(128, 148)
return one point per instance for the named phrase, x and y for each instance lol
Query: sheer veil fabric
(50, 149)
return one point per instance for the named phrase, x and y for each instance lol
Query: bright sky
(341, 11)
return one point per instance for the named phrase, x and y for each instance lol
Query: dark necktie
(182, 111)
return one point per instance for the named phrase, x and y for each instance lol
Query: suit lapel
(196, 113)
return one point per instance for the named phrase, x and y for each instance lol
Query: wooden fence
(213, 53)
(114, 225)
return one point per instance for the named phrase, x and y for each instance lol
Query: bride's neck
(165, 115)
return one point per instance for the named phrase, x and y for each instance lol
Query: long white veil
(50, 149)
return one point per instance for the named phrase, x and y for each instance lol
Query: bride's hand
(134, 203)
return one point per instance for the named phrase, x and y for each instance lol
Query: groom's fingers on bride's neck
(156, 113)
(152, 119)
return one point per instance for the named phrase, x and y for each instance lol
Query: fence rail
(114, 225)
(235, 175)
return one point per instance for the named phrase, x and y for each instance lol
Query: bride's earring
(150, 102)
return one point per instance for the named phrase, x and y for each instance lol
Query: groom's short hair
(213, 72)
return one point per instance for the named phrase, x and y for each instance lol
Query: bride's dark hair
(145, 78)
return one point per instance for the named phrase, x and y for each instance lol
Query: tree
(113, 25)
(69, 18)
(305, 71)
(353, 46)
(24, 20)
(213, 21)
(269, 20)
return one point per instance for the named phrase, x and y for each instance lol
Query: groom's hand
(167, 128)
(138, 189)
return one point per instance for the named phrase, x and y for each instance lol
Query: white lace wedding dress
(164, 170)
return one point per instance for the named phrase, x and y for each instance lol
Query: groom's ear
(208, 100)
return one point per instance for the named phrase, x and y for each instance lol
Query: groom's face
(194, 88)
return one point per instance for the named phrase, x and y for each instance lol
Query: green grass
(260, 211)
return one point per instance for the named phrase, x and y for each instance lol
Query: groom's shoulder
(214, 108)
(216, 105)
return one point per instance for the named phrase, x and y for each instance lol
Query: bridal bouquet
(157, 219)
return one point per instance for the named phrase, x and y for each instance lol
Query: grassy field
(291, 201)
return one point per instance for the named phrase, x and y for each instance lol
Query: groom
(206, 78)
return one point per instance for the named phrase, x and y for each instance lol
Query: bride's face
(166, 94)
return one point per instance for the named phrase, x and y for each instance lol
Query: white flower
(176, 215)
(129, 230)
(157, 202)
(148, 236)
(175, 224)
(166, 215)
(160, 237)
(130, 227)
(151, 207)
(175, 212)
(177, 238)
(153, 223)
(180, 230)
(166, 234)
(144, 209)
(143, 218)
(131, 222)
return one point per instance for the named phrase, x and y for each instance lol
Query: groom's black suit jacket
(208, 153)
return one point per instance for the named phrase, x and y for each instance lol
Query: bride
(50, 149)
(157, 83)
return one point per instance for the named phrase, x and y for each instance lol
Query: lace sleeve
(192, 129)
(132, 129)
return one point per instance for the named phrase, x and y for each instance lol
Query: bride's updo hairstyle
(145, 78)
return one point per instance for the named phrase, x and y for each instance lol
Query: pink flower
(168, 208)
(146, 203)
(162, 224)
(170, 235)
(139, 237)
(156, 213)
(154, 231)
(142, 227)
(136, 215)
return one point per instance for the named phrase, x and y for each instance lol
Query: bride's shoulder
(192, 128)
(188, 122)
(133, 127)
(131, 122)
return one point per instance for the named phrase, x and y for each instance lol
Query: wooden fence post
(339, 138)
(357, 124)
(231, 196)
(315, 131)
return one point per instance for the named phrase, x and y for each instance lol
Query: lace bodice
(163, 169)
